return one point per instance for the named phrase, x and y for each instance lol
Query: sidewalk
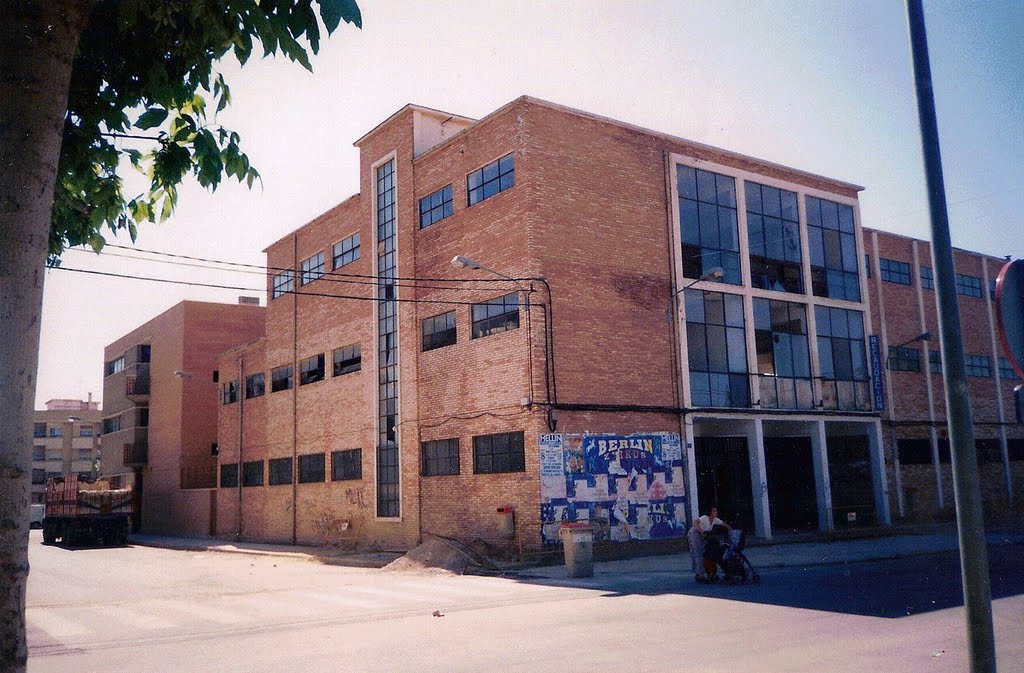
(780, 555)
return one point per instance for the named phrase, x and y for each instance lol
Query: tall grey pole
(966, 488)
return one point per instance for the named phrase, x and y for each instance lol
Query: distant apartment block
(65, 440)
(160, 397)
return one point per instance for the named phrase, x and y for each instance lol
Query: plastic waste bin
(578, 544)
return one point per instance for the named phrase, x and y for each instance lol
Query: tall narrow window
(783, 355)
(927, 279)
(717, 349)
(843, 359)
(832, 242)
(230, 389)
(707, 222)
(388, 495)
(773, 229)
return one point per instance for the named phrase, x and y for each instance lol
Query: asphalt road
(153, 610)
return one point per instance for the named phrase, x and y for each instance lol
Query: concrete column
(1004, 450)
(759, 479)
(691, 468)
(822, 482)
(933, 435)
(878, 478)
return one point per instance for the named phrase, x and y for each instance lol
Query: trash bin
(578, 544)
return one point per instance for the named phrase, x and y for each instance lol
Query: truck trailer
(80, 512)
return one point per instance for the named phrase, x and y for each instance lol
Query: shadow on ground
(892, 588)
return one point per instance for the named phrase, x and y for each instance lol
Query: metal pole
(966, 489)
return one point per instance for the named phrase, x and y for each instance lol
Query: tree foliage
(145, 70)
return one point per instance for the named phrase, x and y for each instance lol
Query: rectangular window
(346, 251)
(312, 468)
(1006, 371)
(832, 242)
(717, 348)
(56, 431)
(230, 392)
(54, 454)
(114, 366)
(783, 354)
(914, 451)
(39, 430)
(252, 473)
(497, 315)
(281, 379)
(38, 476)
(312, 268)
(927, 279)
(346, 464)
(311, 369)
(773, 229)
(440, 457)
(867, 266)
(282, 283)
(935, 362)
(843, 359)
(255, 385)
(38, 453)
(85, 454)
(904, 359)
(280, 471)
(435, 207)
(495, 177)
(111, 424)
(503, 452)
(978, 365)
(968, 286)
(142, 419)
(143, 353)
(229, 475)
(348, 359)
(893, 271)
(85, 431)
(707, 223)
(439, 331)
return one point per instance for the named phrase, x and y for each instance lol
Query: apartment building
(160, 396)
(902, 286)
(65, 440)
(546, 315)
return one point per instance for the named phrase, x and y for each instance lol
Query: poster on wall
(629, 487)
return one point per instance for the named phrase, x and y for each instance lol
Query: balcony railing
(136, 383)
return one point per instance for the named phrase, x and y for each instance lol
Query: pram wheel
(756, 579)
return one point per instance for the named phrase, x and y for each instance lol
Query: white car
(36, 516)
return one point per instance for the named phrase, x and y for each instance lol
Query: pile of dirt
(436, 554)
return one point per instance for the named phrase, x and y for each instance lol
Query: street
(144, 609)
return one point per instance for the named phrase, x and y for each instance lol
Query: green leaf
(333, 11)
(152, 117)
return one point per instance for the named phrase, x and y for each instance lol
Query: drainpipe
(295, 387)
(241, 404)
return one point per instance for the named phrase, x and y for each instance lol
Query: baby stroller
(723, 550)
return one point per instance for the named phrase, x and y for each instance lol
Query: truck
(81, 512)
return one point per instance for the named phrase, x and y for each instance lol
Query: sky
(826, 87)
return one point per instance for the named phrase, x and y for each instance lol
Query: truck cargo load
(80, 512)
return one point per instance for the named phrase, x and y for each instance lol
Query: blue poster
(877, 390)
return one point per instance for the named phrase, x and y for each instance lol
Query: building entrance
(789, 466)
(849, 472)
(723, 479)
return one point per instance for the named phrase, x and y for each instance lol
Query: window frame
(498, 323)
(701, 211)
(504, 177)
(927, 277)
(347, 464)
(825, 276)
(515, 450)
(439, 338)
(346, 251)
(276, 472)
(439, 457)
(248, 474)
(779, 267)
(228, 475)
(704, 360)
(312, 468)
(430, 212)
(903, 359)
(353, 363)
(978, 366)
(969, 286)
(312, 373)
(894, 271)
(312, 268)
(289, 379)
(229, 392)
(282, 283)
(255, 385)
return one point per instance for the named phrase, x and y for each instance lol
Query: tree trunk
(37, 47)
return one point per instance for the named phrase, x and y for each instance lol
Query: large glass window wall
(783, 355)
(843, 359)
(773, 231)
(832, 245)
(707, 221)
(717, 349)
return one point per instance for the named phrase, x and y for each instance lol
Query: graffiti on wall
(630, 487)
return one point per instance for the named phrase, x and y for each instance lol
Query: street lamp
(925, 336)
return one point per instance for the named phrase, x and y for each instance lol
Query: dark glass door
(789, 465)
(723, 479)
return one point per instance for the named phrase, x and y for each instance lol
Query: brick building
(65, 440)
(640, 326)
(160, 397)
(916, 438)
